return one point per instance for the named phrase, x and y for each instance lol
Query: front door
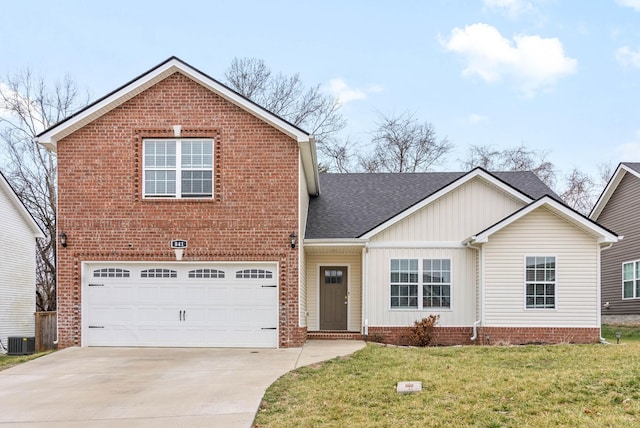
(333, 298)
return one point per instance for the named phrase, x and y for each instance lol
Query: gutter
(467, 243)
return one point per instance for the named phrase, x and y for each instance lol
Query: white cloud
(634, 4)
(345, 94)
(512, 8)
(630, 152)
(477, 118)
(627, 57)
(533, 62)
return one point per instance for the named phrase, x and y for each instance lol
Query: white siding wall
(463, 287)
(541, 233)
(463, 212)
(17, 273)
(354, 263)
(303, 209)
(455, 216)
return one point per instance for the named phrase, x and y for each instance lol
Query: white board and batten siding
(437, 230)
(303, 210)
(17, 269)
(352, 259)
(463, 287)
(541, 233)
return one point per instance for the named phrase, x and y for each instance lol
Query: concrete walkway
(150, 387)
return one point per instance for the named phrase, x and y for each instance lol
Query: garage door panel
(191, 306)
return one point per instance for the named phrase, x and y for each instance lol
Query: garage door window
(111, 273)
(254, 274)
(158, 273)
(206, 273)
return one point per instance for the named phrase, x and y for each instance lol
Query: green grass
(629, 333)
(7, 361)
(533, 386)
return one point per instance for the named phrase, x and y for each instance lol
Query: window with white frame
(410, 290)
(178, 168)
(540, 282)
(631, 280)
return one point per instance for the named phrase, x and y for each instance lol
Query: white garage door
(180, 305)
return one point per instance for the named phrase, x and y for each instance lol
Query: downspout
(480, 288)
(365, 288)
(602, 339)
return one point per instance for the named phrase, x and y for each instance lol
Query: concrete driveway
(150, 387)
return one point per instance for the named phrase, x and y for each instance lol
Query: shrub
(422, 331)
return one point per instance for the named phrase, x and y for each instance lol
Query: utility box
(21, 345)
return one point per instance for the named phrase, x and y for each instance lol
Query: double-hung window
(540, 282)
(631, 280)
(420, 283)
(178, 168)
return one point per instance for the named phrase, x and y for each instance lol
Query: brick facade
(101, 209)
(445, 336)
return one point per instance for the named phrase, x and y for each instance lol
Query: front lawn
(492, 386)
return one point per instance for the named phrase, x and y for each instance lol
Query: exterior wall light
(63, 239)
(294, 238)
(618, 336)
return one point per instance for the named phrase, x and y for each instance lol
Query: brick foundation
(447, 336)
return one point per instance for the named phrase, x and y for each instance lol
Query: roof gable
(604, 235)
(50, 137)
(22, 211)
(361, 205)
(632, 168)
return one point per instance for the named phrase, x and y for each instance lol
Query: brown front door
(333, 298)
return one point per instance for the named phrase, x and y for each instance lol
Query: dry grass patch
(561, 385)
(7, 361)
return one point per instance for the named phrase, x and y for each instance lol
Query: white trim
(20, 207)
(450, 187)
(610, 189)
(634, 280)
(604, 235)
(416, 244)
(421, 284)
(335, 242)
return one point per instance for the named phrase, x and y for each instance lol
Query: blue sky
(561, 76)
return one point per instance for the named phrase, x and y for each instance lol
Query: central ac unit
(21, 345)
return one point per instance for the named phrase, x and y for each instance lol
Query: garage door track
(150, 387)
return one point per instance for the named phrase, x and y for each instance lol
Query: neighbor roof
(22, 210)
(351, 205)
(624, 167)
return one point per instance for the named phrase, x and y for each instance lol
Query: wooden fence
(46, 328)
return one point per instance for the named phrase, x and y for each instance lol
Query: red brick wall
(101, 209)
(497, 335)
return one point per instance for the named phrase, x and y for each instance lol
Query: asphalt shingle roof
(352, 204)
(633, 165)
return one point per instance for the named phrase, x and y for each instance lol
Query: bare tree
(518, 158)
(402, 144)
(27, 107)
(580, 191)
(287, 97)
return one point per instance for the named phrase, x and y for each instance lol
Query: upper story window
(631, 280)
(178, 168)
(540, 282)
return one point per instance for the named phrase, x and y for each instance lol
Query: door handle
(184, 315)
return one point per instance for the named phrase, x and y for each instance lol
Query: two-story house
(194, 217)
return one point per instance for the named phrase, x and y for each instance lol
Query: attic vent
(158, 273)
(111, 273)
(206, 273)
(253, 274)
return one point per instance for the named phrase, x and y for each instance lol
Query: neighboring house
(18, 232)
(618, 208)
(270, 252)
